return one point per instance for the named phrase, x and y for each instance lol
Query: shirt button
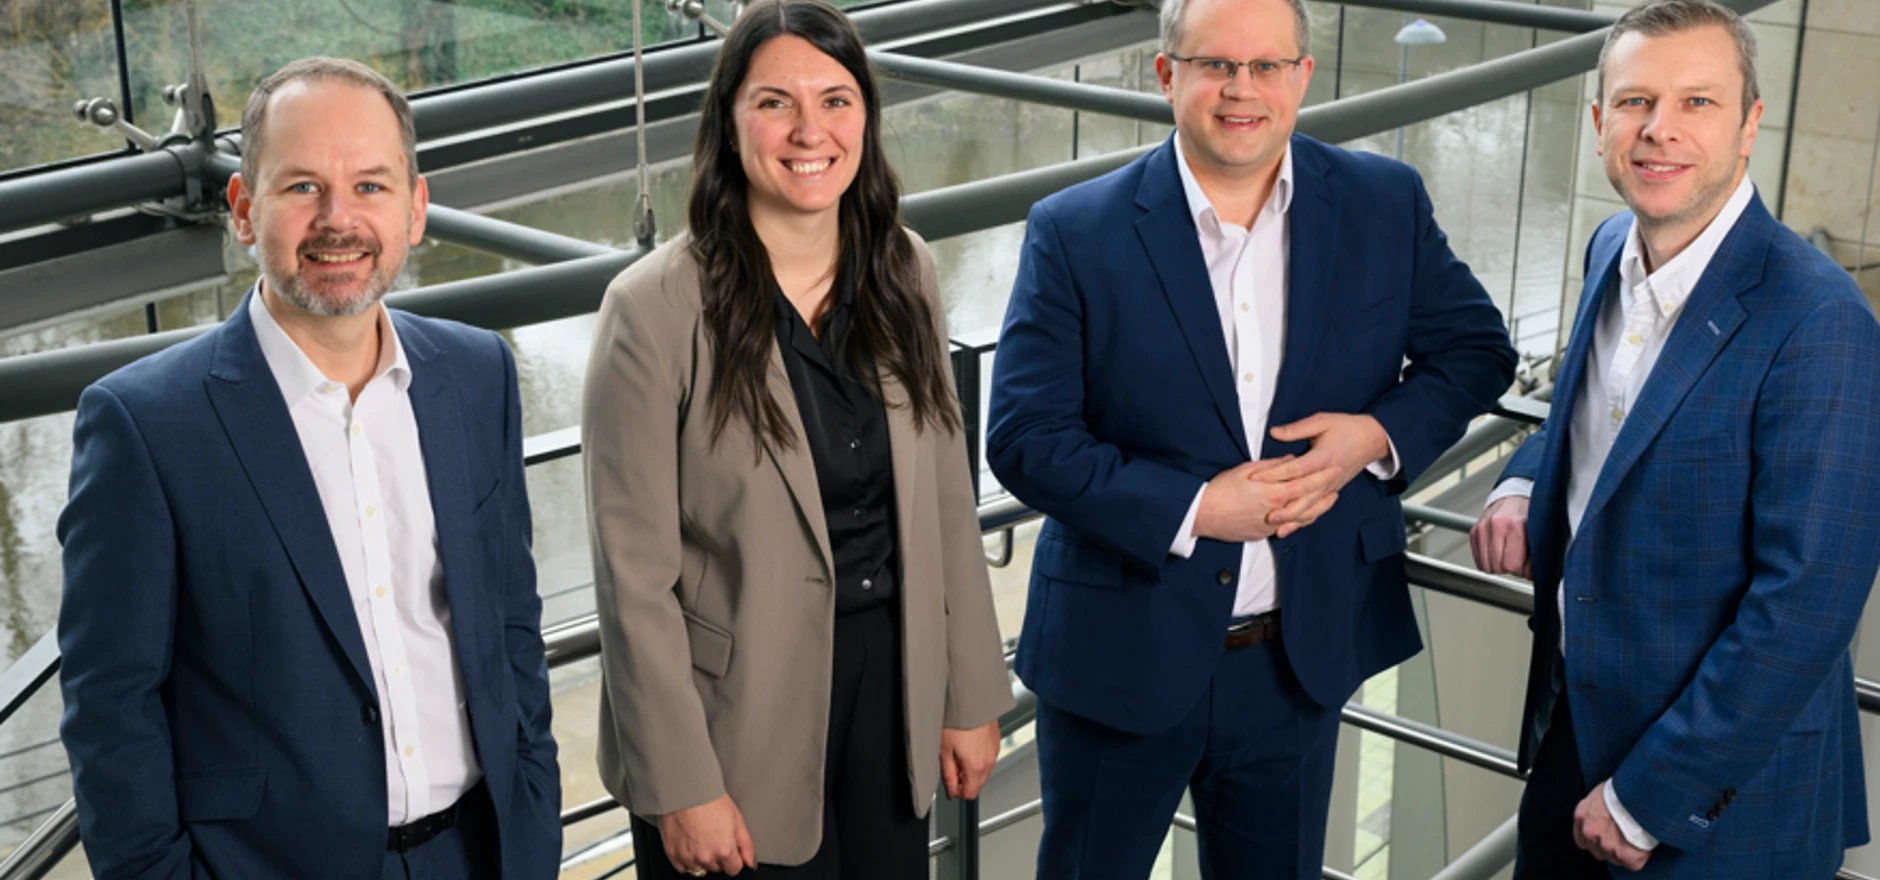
(1634, 339)
(868, 583)
(398, 671)
(358, 429)
(379, 592)
(1618, 415)
(1247, 377)
(410, 750)
(329, 388)
(371, 510)
(1246, 308)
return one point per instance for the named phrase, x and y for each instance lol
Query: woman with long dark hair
(798, 640)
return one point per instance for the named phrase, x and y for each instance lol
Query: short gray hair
(1659, 18)
(322, 69)
(1171, 15)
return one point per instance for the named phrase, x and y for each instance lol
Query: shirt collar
(1199, 208)
(296, 373)
(1673, 282)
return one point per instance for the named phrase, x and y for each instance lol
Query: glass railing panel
(419, 46)
(52, 55)
(35, 777)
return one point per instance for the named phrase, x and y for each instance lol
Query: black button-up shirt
(846, 428)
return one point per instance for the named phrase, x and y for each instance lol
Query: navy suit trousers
(1256, 751)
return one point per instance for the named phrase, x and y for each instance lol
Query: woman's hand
(709, 837)
(966, 758)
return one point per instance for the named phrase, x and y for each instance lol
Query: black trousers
(1544, 847)
(870, 831)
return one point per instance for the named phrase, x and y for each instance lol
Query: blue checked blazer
(1720, 569)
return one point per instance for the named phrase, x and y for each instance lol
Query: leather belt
(1253, 631)
(405, 838)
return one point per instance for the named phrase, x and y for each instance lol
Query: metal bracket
(1002, 558)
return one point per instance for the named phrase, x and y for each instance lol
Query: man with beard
(1698, 513)
(300, 630)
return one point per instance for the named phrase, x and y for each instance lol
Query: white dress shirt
(1628, 336)
(1247, 269)
(369, 470)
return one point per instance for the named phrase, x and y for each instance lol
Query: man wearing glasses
(1220, 366)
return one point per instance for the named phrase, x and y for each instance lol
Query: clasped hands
(1279, 496)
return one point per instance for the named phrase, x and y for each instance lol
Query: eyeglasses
(1265, 71)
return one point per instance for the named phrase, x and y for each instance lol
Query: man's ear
(239, 207)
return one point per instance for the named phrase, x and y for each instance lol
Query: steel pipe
(48, 845)
(49, 382)
(87, 189)
(1467, 583)
(1435, 739)
(1547, 18)
(1487, 857)
(1024, 87)
(488, 105)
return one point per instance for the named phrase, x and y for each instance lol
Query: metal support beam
(50, 381)
(1435, 739)
(996, 201)
(1547, 18)
(1024, 87)
(87, 189)
(1486, 858)
(488, 105)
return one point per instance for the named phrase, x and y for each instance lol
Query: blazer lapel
(1312, 257)
(1710, 317)
(795, 463)
(1168, 234)
(249, 404)
(441, 432)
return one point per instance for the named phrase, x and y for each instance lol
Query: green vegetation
(57, 52)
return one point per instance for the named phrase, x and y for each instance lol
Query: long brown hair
(892, 327)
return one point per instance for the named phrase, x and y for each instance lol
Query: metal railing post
(957, 820)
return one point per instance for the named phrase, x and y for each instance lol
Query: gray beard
(289, 288)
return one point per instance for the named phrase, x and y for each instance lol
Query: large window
(53, 53)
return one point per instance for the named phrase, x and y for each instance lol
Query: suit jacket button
(370, 715)
(1713, 814)
(1224, 577)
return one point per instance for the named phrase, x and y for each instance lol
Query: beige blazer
(715, 582)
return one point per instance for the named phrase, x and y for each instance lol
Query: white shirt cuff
(1184, 545)
(1388, 467)
(1510, 487)
(1635, 834)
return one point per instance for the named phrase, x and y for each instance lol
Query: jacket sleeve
(538, 790)
(1460, 358)
(1814, 532)
(1039, 444)
(979, 689)
(117, 630)
(630, 423)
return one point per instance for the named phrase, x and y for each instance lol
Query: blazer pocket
(220, 795)
(484, 507)
(1089, 563)
(711, 645)
(1381, 538)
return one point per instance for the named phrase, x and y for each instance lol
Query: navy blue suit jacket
(1113, 402)
(1722, 563)
(220, 712)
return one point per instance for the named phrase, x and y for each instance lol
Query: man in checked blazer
(1701, 512)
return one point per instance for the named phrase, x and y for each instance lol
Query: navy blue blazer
(219, 709)
(1722, 564)
(1113, 402)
